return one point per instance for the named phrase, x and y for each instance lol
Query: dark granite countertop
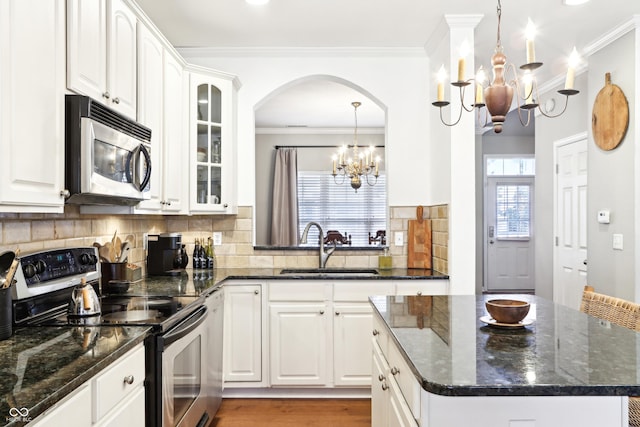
(274, 273)
(40, 366)
(563, 352)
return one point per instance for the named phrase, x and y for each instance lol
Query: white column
(462, 210)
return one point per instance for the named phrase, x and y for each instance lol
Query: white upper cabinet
(32, 70)
(150, 107)
(161, 107)
(176, 141)
(212, 134)
(101, 46)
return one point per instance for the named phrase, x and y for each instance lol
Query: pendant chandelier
(497, 97)
(355, 165)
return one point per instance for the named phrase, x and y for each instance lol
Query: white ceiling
(377, 23)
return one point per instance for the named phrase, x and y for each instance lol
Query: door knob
(491, 242)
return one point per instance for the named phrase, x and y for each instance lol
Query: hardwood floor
(293, 413)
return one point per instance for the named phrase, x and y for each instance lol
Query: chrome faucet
(322, 256)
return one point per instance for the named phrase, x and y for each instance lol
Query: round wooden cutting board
(610, 117)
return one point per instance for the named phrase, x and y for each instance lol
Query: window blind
(339, 207)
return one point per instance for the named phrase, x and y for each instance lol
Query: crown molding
(463, 21)
(317, 131)
(611, 36)
(196, 52)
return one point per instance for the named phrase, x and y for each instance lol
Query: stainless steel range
(181, 388)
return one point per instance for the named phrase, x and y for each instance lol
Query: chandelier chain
(499, 13)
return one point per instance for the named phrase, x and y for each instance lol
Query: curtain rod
(277, 147)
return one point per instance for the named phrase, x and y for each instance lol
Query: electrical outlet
(398, 238)
(217, 238)
(618, 242)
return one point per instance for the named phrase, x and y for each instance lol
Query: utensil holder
(112, 271)
(6, 314)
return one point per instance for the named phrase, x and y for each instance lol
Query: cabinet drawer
(295, 290)
(409, 387)
(381, 335)
(359, 291)
(111, 386)
(73, 411)
(422, 287)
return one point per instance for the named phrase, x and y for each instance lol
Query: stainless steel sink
(334, 272)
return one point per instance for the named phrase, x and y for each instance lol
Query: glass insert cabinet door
(208, 185)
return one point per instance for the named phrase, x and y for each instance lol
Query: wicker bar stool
(621, 312)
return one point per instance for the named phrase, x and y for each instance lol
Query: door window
(513, 211)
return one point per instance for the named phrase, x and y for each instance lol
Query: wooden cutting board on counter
(419, 241)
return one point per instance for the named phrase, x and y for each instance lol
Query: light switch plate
(217, 238)
(618, 242)
(398, 238)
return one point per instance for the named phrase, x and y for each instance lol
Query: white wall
(611, 178)
(575, 120)
(398, 79)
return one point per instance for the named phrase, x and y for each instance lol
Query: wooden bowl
(507, 310)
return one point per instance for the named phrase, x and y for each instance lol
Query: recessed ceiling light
(257, 2)
(574, 2)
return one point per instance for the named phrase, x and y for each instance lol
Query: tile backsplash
(32, 232)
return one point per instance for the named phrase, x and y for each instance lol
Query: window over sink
(338, 207)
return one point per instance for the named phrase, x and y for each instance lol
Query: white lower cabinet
(72, 411)
(242, 334)
(351, 344)
(115, 388)
(129, 413)
(299, 335)
(389, 406)
(113, 398)
(306, 333)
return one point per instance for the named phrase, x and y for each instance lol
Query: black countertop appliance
(164, 256)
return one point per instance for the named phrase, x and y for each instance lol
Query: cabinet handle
(419, 293)
(380, 377)
(226, 205)
(395, 371)
(256, 292)
(129, 379)
(167, 203)
(321, 311)
(337, 313)
(384, 386)
(375, 332)
(116, 100)
(65, 193)
(106, 95)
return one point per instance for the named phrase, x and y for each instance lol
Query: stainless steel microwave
(107, 155)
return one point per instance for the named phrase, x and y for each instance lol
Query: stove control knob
(88, 259)
(29, 271)
(41, 266)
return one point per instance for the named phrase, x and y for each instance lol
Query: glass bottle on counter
(196, 255)
(210, 254)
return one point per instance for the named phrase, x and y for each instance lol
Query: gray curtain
(284, 206)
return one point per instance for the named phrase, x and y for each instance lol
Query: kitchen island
(441, 365)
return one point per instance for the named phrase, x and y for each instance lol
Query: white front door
(509, 259)
(570, 266)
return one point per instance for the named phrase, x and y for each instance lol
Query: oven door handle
(186, 326)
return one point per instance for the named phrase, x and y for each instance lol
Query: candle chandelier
(497, 97)
(359, 164)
